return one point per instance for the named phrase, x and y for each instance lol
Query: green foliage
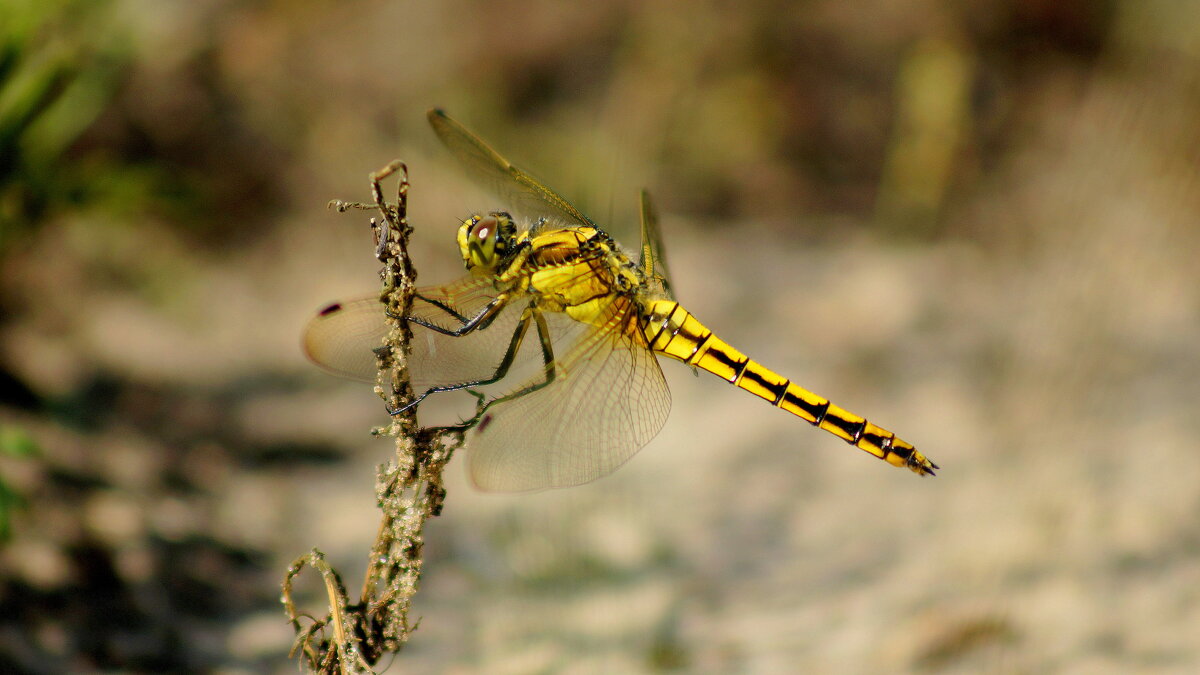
(14, 442)
(60, 66)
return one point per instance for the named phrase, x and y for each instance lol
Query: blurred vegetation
(61, 64)
(77, 135)
(16, 443)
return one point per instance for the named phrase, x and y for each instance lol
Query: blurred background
(976, 223)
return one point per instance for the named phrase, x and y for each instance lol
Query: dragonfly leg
(449, 309)
(482, 319)
(550, 370)
(510, 355)
(461, 318)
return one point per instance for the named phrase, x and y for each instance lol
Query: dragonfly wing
(518, 190)
(653, 262)
(607, 400)
(343, 336)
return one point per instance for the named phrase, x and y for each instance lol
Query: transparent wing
(653, 262)
(519, 191)
(343, 336)
(608, 399)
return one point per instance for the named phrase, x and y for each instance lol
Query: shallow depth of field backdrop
(975, 223)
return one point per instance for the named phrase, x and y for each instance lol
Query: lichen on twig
(409, 488)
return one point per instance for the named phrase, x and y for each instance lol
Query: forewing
(517, 190)
(608, 399)
(653, 262)
(342, 337)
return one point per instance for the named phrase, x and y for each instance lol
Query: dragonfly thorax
(484, 240)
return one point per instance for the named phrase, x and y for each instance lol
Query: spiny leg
(549, 367)
(518, 256)
(481, 320)
(445, 307)
(449, 309)
(510, 355)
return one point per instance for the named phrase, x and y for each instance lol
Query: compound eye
(485, 229)
(481, 242)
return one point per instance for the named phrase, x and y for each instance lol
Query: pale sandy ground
(1045, 354)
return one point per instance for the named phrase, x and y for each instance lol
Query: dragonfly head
(485, 240)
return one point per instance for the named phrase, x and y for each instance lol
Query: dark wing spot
(335, 307)
(483, 423)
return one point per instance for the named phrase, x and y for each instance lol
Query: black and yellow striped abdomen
(672, 331)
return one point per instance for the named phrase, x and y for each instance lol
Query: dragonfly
(600, 319)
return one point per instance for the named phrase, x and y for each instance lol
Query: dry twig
(409, 488)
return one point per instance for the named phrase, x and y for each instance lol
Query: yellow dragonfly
(597, 394)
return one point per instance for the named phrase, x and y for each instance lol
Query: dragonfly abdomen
(672, 331)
